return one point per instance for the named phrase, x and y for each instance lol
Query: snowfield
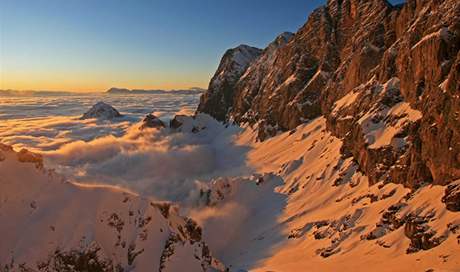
(290, 203)
(329, 210)
(42, 215)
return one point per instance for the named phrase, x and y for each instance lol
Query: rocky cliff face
(219, 97)
(385, 77)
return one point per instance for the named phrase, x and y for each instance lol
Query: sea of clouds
(164, 164)
(46, 122)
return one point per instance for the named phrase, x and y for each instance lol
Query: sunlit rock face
(101, 110)
(452, 196)
(385, 77)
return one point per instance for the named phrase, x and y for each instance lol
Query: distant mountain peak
(117, 90)
(191, 91)
(101, 110)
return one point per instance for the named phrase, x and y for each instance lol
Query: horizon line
(103, 91)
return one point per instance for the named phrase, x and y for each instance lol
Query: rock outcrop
(151, 121)
(190, 124)
(452, 196)
(101, 110)
(177, 121)
(219, 97)
(385, 77)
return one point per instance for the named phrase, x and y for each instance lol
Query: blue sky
(91, 45)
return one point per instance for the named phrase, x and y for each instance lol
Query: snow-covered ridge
(49, 223)
(243, 55)
(234, 63)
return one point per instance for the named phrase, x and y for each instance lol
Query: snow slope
(303, 208)
(43, 218)
(314, 211)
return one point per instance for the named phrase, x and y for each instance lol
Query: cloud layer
(163, 164)
(159, 163)
(45, 123)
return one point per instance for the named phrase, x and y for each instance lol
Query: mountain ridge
(360, 47)
(124, 91)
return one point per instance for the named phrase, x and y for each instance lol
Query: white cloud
(45, 123)
(162, 163)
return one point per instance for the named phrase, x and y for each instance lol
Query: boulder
(151, 121)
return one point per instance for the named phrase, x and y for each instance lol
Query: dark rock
(101, 110)
(151, 121)
(219, 96)
(90, 258)
(175, 123)
(452, 197)
(422, 237)
(195, 129)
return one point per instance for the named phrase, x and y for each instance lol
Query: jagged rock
(265, 130)
(187, 124)
(81, 259)
(421, 235)
(429, 152)
(390, 221)
(357, 49)
(219, 96)
(416, 228)
(151, 121)
(192, 234)
(176, 122)
(164, 207)
(452, 197)
(101, 110)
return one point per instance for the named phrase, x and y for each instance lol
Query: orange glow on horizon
(94, 82)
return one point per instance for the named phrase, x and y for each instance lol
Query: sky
(92, 45)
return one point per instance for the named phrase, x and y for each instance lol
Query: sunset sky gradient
(92, 45)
